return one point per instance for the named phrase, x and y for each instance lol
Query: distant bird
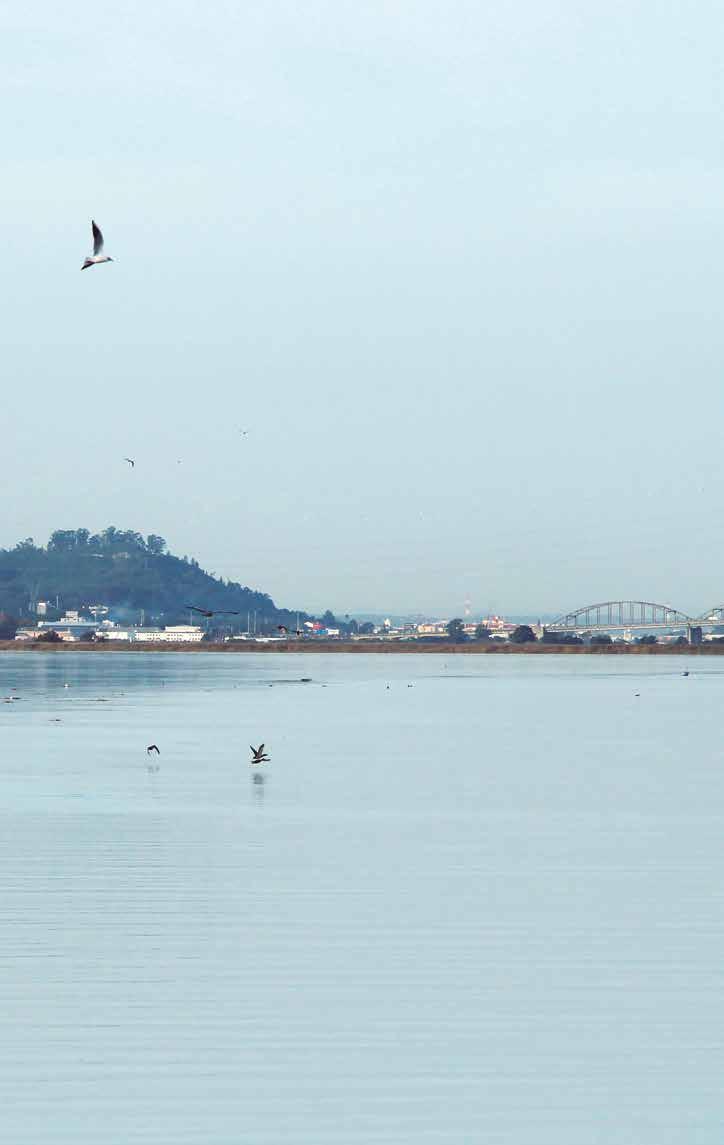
(152, 747)
(258, 754)
(98, 256)
(130, 461)
(684, 673)
(283, 628)
(208, 612)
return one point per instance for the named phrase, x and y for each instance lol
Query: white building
(74, 629)
(174, 634)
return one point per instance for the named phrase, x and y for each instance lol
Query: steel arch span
(712, 615)
(621, 614)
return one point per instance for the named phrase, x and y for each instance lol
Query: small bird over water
(130, 461)
(152, 747)
(98, 256)
(258, 754)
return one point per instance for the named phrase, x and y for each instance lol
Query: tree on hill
(129, 573)
(482, 632)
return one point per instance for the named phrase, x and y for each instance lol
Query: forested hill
(127, 572)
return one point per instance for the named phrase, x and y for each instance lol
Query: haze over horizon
(456, 273)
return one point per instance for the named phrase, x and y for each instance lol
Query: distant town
(96, 623)
(120, 587)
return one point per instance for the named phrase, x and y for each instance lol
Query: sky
(456, 268)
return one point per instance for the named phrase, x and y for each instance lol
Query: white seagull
(98, 255)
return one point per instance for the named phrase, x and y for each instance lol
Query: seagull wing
(97, 238)
(261, 749)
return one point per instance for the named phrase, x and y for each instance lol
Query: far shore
(386, 647)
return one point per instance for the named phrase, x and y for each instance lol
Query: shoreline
(368, 647)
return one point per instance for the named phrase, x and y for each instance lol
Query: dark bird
(98, 256)
(684, 673)
(130, 461)
(152, 747)
(208, 612)
(258, 754)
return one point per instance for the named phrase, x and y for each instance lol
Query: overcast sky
(457, 268)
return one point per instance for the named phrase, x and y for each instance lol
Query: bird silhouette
(152, 747)
(258, 754)
(98, 256)
(130, 461)
(209, 612)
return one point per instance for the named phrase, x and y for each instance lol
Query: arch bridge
(619, 614)
(711, 616)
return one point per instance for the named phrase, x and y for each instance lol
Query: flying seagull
(258, 754)
(130, 461)
(152, 747)
(208, 612)
(98, 255)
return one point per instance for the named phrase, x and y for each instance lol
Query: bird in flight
(258, 755)
(152, 747)
(208, 612)
(98, 256)
(130, 461)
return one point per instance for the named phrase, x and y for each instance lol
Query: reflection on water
(485, 908)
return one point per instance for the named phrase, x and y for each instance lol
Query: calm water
(485, 908)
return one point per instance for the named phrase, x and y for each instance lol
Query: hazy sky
(456, 267)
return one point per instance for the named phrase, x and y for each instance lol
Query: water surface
(480, 904)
